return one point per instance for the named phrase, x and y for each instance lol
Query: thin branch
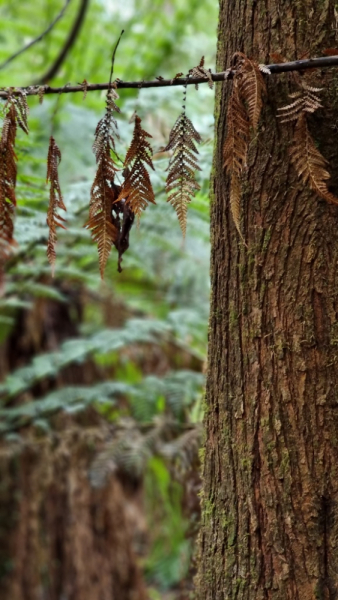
(113, 58)
(298, 65)
(38, 39)
(52, 71)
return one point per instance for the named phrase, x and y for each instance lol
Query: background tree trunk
(60, 538)
(270, 501)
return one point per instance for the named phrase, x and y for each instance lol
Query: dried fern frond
(235, 149)
(244, 110)
(21, 108)
(137, 190)
(251, 86)
(84, 85)
(181, 185)
(103, 194)
(237, 139)
(306, 158)
(41, 93)
(131, 448)
(264, 69)
(308, 161)
(304, 101)
(54, 220)
(201, 71)
(16, 111)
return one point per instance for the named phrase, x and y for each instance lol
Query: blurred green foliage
(164, 285)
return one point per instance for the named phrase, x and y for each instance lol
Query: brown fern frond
(264, 69)
(182, 166)
(41, 93)
(201, 71)
(308, 161)
(237, 139)
(103, 193)
(16, 111)
(21, 108)
(54, 220)
(306, 158)
(251, 86)
(235, 201)
(85, 88)
(137, 189)
(304, 101)
(235, 149)
(244, 110)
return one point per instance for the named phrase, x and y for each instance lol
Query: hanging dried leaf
(84, 85)
(235, 149)
(308, 161)
(54, 220)
(201, 71)
(304, 101)
(16, 111)
(251, 87)
(244, 109)
(137, 189)
(41, 93)
(264, 69)
(181, 185)
(103, 193)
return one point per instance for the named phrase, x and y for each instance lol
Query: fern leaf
(244, 109)
(21, 109)
(54, 220)
(308, 161)
(264, 69)
(251, 87)
(16, 111)
(235, 201)
(137, 190)
(103, 192)
(235, 150)
(306, 158)
(41, 93)
(182, 166)
(237, 139)
(201, 71)
(305, 101)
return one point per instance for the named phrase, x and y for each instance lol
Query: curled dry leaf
(201, 71)
(244, 110)
(137, 190)
(16, 114)
(103, 193)
(54, 220)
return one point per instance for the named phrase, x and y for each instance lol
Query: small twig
(38, 39)
(298, 65)
(52, 71)
(113, 59)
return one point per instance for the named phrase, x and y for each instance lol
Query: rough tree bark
(270, 499)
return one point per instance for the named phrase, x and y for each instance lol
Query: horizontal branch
(297, 65)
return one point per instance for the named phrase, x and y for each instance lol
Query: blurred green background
(131, 349)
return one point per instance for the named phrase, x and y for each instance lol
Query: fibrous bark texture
(270, 500)
(60, 538)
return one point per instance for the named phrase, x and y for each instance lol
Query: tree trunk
(270, 499)
(60, 538)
